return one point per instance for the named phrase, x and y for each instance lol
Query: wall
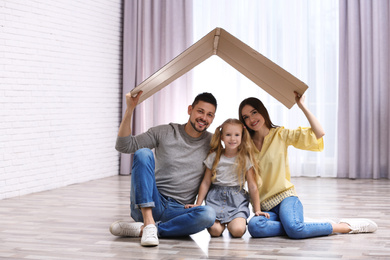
(60, 92)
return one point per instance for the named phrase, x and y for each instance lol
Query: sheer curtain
(364, 118)
(155, 32)
(300, 36)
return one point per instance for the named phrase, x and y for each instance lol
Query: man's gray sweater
(179, 158)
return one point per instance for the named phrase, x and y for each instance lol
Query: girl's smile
(231, 136)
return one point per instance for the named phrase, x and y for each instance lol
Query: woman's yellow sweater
(273, 162)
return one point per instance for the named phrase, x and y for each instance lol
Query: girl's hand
(260, 213)
(188, 206)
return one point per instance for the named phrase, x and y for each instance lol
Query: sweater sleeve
(149, 139)
(302, 138)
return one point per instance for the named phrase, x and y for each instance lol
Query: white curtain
(300, 36)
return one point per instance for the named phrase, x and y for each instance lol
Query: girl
(227, 169)
(278, 194)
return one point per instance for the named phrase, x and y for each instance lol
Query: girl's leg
(260, 226)
(291, 216)
(217, 229)
(237, 227)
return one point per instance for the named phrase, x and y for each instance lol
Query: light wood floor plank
(72, 223)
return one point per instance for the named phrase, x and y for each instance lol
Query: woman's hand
(260, 213)
(313, 121)
(300, 99)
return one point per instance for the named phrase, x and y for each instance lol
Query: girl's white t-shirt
(226, 170)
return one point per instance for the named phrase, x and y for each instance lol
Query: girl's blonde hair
(245, 150)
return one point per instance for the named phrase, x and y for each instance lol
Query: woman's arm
(203, 189)
(314, 123)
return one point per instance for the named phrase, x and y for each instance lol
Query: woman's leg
(260, 226)
(291, 217)
(342, 228)
(237, 227)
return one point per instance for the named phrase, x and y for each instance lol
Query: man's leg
(145, 201)
(178, 221)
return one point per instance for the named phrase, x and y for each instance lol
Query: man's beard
(199, 131)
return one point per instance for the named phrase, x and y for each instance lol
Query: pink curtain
(155, 32)
(364, 89)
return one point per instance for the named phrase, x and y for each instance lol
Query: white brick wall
(60, 92)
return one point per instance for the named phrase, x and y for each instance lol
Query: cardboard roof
(266, 74)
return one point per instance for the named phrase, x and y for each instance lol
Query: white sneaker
(360, 225)
(149, 236)
(126, 229)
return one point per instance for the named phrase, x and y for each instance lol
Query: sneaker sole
(150, 243)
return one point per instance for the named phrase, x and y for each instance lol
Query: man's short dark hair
(205, 97)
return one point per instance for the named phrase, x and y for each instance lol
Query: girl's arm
(203, 189)
(314, 123)
(254, 193)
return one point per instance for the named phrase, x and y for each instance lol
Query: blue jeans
(287, 219)
(172, 219)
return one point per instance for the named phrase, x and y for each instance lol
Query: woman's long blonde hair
(245, 150)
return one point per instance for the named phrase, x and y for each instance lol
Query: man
(163, 182)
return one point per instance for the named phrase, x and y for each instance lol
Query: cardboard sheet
(263, 72)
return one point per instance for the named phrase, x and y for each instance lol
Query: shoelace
(150, 232)
(360, 228)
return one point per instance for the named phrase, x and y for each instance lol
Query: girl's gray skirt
(229, 202)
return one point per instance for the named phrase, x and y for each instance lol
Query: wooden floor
(73, 222)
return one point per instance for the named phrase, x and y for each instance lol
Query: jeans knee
(295, 231)
(257, 226)
(143, 154)
(143, 161)
(208, 216)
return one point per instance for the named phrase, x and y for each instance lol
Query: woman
(277, 194)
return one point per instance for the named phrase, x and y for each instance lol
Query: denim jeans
(172, 219)
(287, 219)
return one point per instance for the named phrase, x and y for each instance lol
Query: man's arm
(125, 126)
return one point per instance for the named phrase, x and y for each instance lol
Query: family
(244, 161)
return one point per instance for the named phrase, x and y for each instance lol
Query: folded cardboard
(263, 72)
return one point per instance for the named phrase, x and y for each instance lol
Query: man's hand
(132, 101)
